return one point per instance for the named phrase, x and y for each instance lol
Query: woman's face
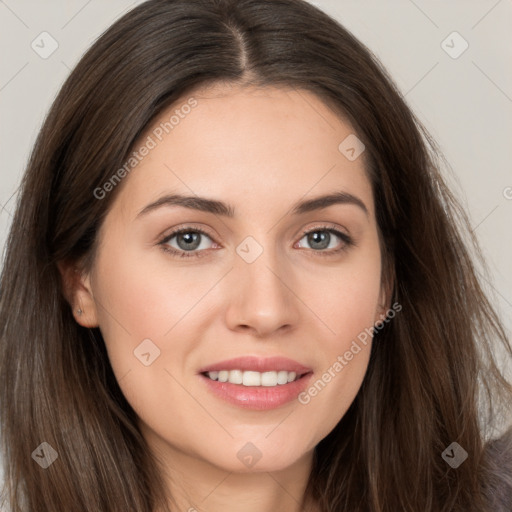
(250, 284)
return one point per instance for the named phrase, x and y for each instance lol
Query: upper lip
(258, 364)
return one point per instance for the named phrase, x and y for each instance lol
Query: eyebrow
(220, 208)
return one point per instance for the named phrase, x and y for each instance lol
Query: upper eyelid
(185, 229)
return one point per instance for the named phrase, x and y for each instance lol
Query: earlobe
(78, 292)
(85, 313)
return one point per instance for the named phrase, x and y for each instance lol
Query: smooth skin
(261, 150)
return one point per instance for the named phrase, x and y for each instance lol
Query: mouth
(256, 383)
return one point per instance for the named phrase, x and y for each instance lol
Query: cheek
(133, 305)
(346, 299)
(348, 309)
(148, 306)
(145, 296)
(143, 306)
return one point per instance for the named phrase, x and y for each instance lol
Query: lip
(258, 364)
(258, 398)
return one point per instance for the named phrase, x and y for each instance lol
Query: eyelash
(347, 240)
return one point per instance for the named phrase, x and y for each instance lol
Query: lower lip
(260, 398)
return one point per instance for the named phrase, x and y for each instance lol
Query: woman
(236, 279)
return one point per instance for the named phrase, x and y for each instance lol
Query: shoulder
(498, 484)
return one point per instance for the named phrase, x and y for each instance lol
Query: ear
(77, 290)
(382, 306)
(386, 293)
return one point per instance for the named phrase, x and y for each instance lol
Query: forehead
(248, 144)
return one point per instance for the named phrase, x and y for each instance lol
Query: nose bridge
(261, 281)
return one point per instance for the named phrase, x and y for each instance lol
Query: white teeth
(236, 377)
(250, 378)
(269, 379)
(282, 377)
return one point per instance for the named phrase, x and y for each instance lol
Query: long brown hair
(432, 377)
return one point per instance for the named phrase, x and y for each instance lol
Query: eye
(189, 242)
(324, 237)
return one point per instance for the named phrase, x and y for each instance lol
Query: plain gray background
(465, 102)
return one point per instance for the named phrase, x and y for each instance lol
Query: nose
(262, 299)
